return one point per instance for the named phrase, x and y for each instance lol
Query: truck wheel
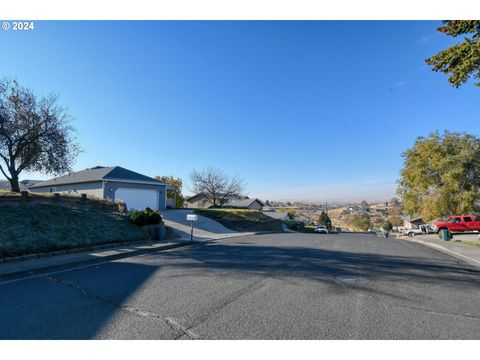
(439, 232)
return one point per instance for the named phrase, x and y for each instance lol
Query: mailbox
(192, 217)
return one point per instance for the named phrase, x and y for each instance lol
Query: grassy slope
(48, 227)
(472, 243)
(234, 214)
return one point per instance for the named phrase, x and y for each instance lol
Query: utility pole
(326, 208)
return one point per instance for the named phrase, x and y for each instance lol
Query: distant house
(113, 183)
(4, 185)
(250, 204)
(358, 209)
(412, 223)
(199, 201)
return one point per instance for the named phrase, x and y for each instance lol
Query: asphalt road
(282, 286)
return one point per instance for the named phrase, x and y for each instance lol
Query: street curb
(440, 248)
(74, 264)
(42, 255)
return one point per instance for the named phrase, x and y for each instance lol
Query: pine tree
(462, 60)
(324, 220)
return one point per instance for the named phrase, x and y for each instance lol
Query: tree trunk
(14, 183)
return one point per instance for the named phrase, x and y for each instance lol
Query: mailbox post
(192, 218)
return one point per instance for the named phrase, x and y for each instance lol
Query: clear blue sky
(299, 110)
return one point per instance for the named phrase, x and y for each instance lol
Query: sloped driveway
(204, 229)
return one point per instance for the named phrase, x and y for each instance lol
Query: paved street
(277, 286)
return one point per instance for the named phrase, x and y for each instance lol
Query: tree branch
(4, 174)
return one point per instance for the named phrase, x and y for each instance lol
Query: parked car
(413, 232)
(462, 223)
(321, 230)
(427, 229)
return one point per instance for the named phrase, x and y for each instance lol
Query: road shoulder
(467, 253)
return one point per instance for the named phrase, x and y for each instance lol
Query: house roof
(417, 220)
(241, 203)
(195, 197)
(27, 183)
(98, 173)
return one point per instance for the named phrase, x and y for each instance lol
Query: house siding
(199, 204)
(94, 189)
(255, 206)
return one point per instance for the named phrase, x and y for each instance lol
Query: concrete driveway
(276, 286)
(204, 229)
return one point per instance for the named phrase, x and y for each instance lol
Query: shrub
(295, 225)
(387, 226)
(291, 214)
(145, 217)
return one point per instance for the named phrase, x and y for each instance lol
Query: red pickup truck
(462, 223)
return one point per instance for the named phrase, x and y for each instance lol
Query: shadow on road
(67, 305)
(321, 264)
(81, 304)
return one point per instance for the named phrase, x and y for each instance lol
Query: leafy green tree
(462, 60)
(441, 175)
(291, 214)
(387, 226)
(176, 183)
(35, 134)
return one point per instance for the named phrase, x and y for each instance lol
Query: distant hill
(24, 184)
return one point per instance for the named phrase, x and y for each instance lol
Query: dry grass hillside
(45, 224)
(377, 216)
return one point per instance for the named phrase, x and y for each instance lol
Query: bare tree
(217, 187)
(34, 134)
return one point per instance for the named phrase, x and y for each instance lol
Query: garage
(138, 199)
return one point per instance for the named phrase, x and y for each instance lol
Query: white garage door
(138, 199)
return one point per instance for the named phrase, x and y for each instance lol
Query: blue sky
(315, 110)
